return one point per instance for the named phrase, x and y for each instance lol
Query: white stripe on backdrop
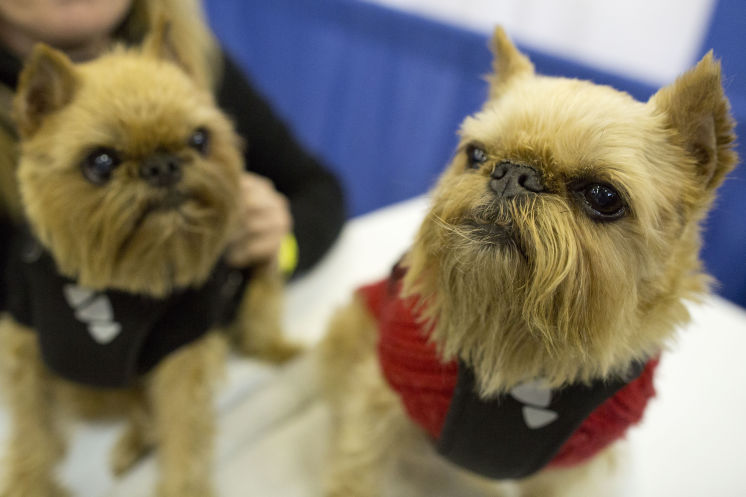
(648, 40)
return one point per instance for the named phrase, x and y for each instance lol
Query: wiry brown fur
(562, 297)
(151, 106)
(121, 235)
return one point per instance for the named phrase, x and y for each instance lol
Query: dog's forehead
(149, 100)
(564, 125)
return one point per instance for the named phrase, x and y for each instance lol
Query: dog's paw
(281, 351)
(344, 492)
(32, 487)
(346, 485)
(185, 490)
(195, 493)
(275, 349)
(336, 493)
(129, 449)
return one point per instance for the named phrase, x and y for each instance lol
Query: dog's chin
(170, 243)
(494, 234)
(165, 209)
(500, 235)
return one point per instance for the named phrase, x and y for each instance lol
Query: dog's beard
(145, 241)
(519, 289)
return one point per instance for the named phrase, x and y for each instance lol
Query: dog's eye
(200, 140)
(99, 165)
(475, 156)
(603, 202)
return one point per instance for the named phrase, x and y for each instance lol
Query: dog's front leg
(181, 393)
(369, 428)
(257, 329)
(34, 445)
(137, 439)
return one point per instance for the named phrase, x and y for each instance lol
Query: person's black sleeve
(315, 196)
(6, 232)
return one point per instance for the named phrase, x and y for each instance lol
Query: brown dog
(519, 334)
(129, 180)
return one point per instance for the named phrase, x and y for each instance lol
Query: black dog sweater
(107, 339)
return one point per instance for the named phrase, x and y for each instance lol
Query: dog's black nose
(509, 180)
(161, 170)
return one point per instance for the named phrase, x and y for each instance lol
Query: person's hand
(264, 221)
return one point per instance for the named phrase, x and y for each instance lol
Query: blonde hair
(189, 34)
(10, 203)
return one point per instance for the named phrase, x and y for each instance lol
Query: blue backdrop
(378, 95)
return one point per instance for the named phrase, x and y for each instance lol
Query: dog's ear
(47, 83)
(697, 109)
(507, 62)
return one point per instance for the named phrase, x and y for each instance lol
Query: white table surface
(272, 427)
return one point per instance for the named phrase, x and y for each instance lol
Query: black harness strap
(511, 437)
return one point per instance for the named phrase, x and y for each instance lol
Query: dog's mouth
(171, 201)
(493, 233)
(502, 235)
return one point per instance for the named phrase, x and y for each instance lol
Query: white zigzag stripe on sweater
(535, 398)
(94, 309)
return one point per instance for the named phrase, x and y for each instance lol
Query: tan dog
(560, 246)
(129, 178)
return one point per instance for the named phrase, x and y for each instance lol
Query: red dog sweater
(514, 435)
